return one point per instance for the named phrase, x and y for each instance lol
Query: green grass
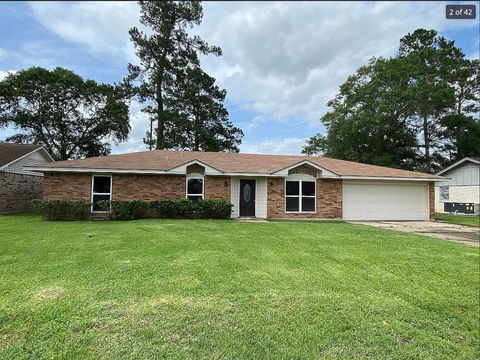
(231, 290)
(468, 220)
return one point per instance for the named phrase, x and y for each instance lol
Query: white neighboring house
(18, 185)
(460, 194)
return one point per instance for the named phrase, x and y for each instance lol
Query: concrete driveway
(451, 232)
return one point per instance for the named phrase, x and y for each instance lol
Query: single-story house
(261, 186)
(18, 185)
(461, 192)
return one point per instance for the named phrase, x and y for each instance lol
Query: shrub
(187, 209)
(125, 210)
(215, 209)
(62, 209)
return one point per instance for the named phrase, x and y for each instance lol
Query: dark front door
(247, 198)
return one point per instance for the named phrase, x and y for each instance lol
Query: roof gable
(325, 172)
(474, 160)
(11, 153)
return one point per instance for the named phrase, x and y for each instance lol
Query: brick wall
(17, 191)
(65, 186)
(303, 169)
(431, 199)
(148, 187)
(329, 199)
(217, 187)
(195, 168)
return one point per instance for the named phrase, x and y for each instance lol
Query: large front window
(299, 196)
(101, 190)
(195, 188)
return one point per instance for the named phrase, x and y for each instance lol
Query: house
(262, 186)
(18, 185)
(461, 193)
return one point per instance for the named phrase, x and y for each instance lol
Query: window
(101, 190)
(444, 193)
(195, 188)
(299, 196)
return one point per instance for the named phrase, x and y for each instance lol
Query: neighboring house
(461, 193)
(19, 186)
(262, 186)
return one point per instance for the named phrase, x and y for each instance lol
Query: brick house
(18, 185)
(262, 186)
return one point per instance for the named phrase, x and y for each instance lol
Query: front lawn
(468, 220)
(232, 290)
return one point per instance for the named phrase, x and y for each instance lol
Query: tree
(367, 121)
(165, 51)
(413, 110)
(71, 117)
(202, 122)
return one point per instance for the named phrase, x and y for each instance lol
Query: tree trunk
(150, 140)
(161, 120)
(426, 141)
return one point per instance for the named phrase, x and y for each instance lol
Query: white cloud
(102, 26)
(286, 146)
(4, 74)
(139, 124)
(3, 53)
(281, 60)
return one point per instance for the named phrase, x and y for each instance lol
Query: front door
(247, 198)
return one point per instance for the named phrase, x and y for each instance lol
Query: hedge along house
(262, 186)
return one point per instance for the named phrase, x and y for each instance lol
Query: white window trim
(94, 193)
(299, 196)
(191, 177)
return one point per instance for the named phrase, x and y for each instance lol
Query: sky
(282, 61)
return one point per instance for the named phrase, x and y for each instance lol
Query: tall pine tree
(168, 72)
(201, 122)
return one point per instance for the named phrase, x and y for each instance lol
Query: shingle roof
(165, 160)
(10, 152)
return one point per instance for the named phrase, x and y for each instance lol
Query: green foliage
(412, 111)
(187, 209)
(178, 95)
(202, 122)
(70, 116)
(62, 209)
(125, 210)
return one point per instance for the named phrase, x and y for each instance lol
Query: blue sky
(282, 61)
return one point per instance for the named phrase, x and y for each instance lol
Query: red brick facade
(66, 186)
(18, 190)
(148, 187)
(195, 168)
(217, 187)
(329, 199)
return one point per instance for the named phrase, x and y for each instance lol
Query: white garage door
(385, 201)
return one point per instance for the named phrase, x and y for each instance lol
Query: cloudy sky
(281, 63)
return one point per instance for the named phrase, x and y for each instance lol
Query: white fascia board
(392, 178)
(99, 170)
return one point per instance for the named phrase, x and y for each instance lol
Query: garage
(393, 200)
